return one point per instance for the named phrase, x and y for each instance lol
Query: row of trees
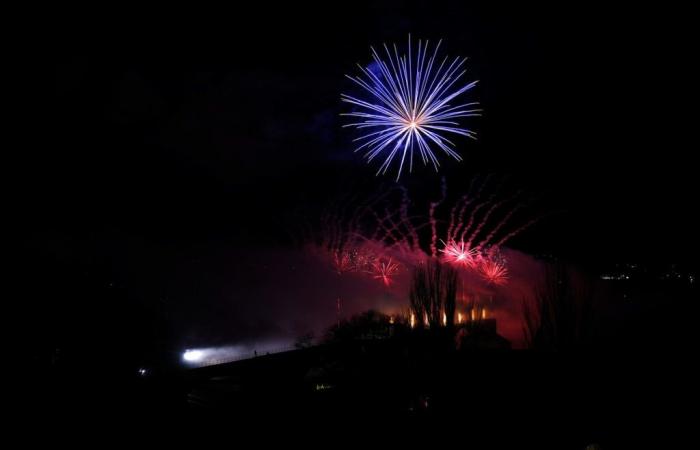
(557, 317)
(434, 293)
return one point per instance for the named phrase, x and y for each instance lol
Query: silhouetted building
(480, 334)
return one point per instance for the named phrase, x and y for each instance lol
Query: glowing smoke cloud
(410, 106)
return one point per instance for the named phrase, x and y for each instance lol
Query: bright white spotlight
(193, 355)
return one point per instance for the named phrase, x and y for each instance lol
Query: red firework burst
(384, 270)
(342, 262)
(493, 271)
(460, 253)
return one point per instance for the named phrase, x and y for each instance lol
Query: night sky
(163, 149)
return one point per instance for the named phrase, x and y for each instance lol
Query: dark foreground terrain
(406, 388)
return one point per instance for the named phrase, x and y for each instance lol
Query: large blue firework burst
(410, 106)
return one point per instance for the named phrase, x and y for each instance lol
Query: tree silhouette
(560, 316)
(434, 293)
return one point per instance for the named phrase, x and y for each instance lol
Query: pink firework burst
(343, 262)
(351, 259)
(384, 270)
(459, 253)
(493, 271)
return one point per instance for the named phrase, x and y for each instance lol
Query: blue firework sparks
(410, 106)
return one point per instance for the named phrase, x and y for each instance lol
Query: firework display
(459, 253)
(384, 270)
(385, 235)
(494, 271)
(410, 106)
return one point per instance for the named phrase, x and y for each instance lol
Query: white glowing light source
(193, 355)
(208, 356)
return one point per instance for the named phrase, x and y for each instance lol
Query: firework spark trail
(391, 227)
(500, 225)
(336, 228)
(411, 233)
(403, 240)
(410, 106)
(461, 226)
(482, 222)
(339, 228)
(517, 231)
(486, 218)
(339, 236)
(399, 235)
(353, 229)
(384, 232)
(465, 200)
(378, 228)
(456, 225)
(361, 210)
(472, 219)
(461, 204)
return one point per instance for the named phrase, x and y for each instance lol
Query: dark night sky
(161, 146)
